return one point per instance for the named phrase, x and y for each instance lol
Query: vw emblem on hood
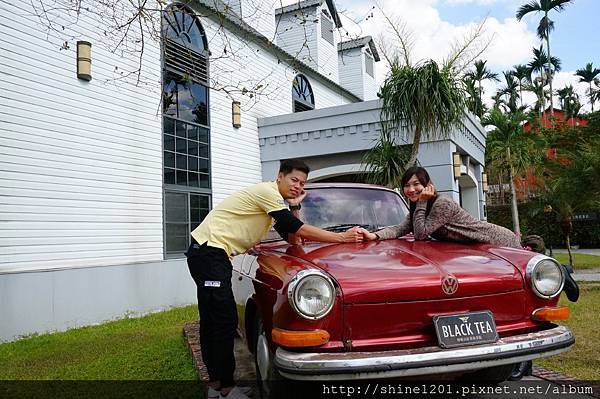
(449, 284)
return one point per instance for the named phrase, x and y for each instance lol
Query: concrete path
(587, 251)
(587, 275)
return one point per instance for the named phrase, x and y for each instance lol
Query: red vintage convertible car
(394, 308)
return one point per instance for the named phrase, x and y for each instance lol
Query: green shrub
(586, 234)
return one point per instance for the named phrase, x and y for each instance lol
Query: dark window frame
(189, 138)
(303, 98)
(369, 64)
(327, 27)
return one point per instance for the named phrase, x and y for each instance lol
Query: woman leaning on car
(440, 217)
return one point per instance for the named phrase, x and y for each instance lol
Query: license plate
(465, 329)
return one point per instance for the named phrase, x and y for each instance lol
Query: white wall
(370, 86)
(350, 65)
(260, 14)
(80, 179)
(233, 173)
(353, 73)
(81, 169)
(297, 34)
(327, 57)
(82, 163)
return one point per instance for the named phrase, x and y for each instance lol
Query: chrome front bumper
(422, 361)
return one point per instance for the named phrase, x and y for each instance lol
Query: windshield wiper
(346, 226)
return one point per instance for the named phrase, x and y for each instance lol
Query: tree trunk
(515, 209)
(521, 93)
(567, 226)
(480, 104)
(550, 77)
(591, 97)
(568, 238)
(415, 148)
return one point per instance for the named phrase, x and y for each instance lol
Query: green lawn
(146, 348)
(153, 348)
(583, 361)
(580, 261)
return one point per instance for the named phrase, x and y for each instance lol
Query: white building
(102, 180)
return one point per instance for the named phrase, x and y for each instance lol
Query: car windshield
(338, 209)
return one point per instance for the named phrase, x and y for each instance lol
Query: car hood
(409, 270)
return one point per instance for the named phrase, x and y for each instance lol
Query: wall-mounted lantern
(484, 182)
(456, 164)
(84, 60)
(236, 114)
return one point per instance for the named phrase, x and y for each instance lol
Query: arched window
(186, 127)
(302, 94)
(180, 26)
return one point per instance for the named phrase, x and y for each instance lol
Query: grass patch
(580, 261)
(145, 348)
(583, 361)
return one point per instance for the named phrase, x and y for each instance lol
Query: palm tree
(510, 90)
(595, 95)
(423, 96)
(523, 75)
(583, 170)
(569, 101)
(480, 74)
(537, 88)
(385, 162)
(474, 103)
(510, 149)
(545, 26)
(588, 75)
(426, 97)
(539, 64)
(540, 60)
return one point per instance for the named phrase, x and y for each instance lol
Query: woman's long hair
(424, 179)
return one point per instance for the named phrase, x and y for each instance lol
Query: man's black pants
(211, 270)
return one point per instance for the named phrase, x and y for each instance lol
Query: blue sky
(437, 24)
(575, 39)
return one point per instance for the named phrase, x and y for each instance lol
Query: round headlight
(546, 276)
(311, 294)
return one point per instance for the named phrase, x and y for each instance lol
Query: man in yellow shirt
(231, 228)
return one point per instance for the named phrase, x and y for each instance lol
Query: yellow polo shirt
(241, 220)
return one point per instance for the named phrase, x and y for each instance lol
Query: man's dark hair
(288, 165)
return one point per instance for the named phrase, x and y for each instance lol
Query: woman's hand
(427, 193)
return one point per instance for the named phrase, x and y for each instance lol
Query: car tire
(492, 375)
(268, 379)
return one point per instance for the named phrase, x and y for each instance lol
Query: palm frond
(532, 6)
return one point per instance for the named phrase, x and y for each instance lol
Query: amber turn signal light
(299, 338)
(550, 314)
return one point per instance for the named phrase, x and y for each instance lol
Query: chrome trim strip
(422, 361)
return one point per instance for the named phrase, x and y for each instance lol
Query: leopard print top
(447, 221)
